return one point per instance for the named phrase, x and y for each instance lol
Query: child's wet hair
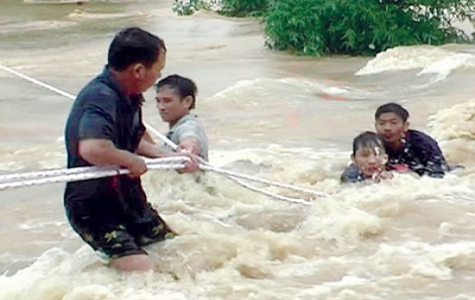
(368, 139)
(392, 108)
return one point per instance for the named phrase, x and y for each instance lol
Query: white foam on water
(443, 67)
(455, 122)
(352, 242)
(423, 259)
(403, 58)
(434, 61)
(80, 14)
(55, 1)
(35, 26)
(454, 129)
(289, 89)
(406, 238)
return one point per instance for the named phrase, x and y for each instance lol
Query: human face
(370, 160)
(148, 76)
(170, 104)
(391, 128)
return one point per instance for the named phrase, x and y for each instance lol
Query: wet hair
(134, 45)
(392, 108)
(183, 86)
(367, 139)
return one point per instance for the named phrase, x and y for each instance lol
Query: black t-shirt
(420, 153)
(103, 111)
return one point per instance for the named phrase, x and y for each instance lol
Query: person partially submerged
(175, 99)
(408, 149)
(105, 128)
(368, 159)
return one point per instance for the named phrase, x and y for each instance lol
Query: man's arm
(148, 149)
(192, 138)
(191, 145)
(432, 157)
(102, 152)
(148, 137)
(435, 164)
(96, 133)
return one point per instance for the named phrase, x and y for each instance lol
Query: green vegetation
(242, 8)
(357, 27)
(189, 7)
(232, 8)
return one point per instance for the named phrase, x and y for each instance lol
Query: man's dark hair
(367, 139)
(181, 85)
(134, 45)
(392, 108)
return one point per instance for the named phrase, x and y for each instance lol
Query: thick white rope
(93, 174)
(81, 170)
(11, 181)
(204, 165)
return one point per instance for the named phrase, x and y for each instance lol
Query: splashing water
(405, 238)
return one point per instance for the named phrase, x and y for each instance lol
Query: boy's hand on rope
(191, 165)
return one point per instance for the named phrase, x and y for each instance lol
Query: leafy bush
(189, 7)
(242, 8)
(318, 27)
(234, 8)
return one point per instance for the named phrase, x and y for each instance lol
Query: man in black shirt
(105, 128)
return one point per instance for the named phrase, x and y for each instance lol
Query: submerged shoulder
(351, 174)
(416, 134)
(420, 138)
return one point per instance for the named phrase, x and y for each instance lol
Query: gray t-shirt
(189, 126)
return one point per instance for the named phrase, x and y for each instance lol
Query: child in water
(369, 159)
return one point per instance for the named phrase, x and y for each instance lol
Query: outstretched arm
(102, 152)
(148, 149)
(191, 145)
(148, 137)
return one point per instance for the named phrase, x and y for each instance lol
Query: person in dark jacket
(408, 149)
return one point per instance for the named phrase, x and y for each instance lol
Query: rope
(273, 183)
(72, 97)
(277, 196)
(235, 177)
(92, 174)
(74, 174)
(80, 170)
(37, 82)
